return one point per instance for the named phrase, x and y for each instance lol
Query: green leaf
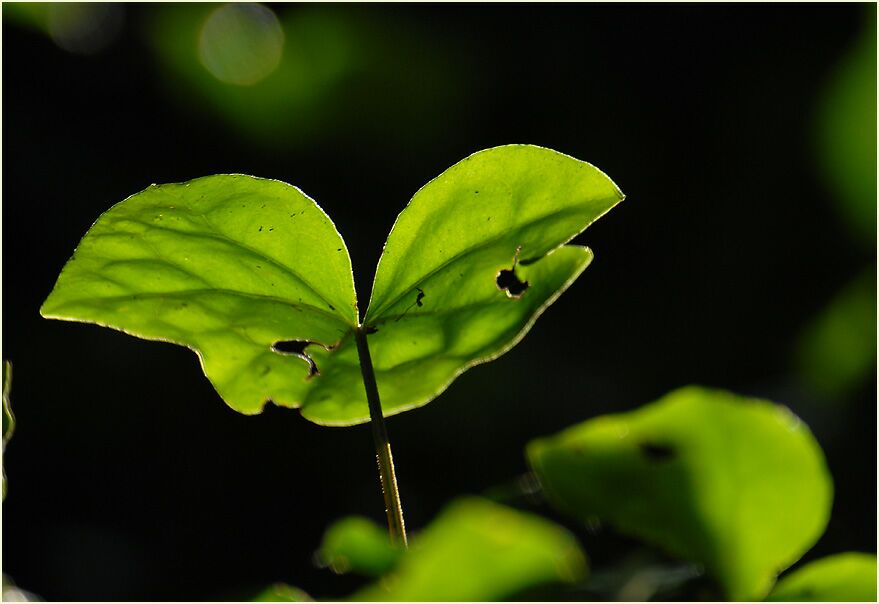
(436, 305)
(358, 544)
(227, 265)
(848, 577)
(846, 133)
(230, 265)
(738, 485)
(837, 350)
(476, 550)
(280, 592)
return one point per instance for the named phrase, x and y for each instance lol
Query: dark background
(128, 476)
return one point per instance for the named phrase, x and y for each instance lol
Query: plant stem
(393, 507)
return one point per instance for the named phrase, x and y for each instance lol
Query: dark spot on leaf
(297, 348)
(488, 219)
(260, 228)
(477, 192)
(331, 307)
(258, 266)
(271, 228)
(419, 297)
(508, 281)
(656, 451)
(265, 370)
(338, 249)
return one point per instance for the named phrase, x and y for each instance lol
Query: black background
(128, 476)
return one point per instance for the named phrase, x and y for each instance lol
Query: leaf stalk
(393, 506)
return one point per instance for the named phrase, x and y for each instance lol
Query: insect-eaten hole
(508, 281)
(657, 452)
(297, 348)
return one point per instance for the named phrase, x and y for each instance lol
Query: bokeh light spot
(241, 44)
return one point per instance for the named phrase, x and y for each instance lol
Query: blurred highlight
(77, 27)
(241, 43)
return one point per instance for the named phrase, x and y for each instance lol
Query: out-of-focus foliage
(736, 484)
(476, 550)
(291, 78)
(234, 267)
(357, 544)
(8, 418)
(847, 134)
(280, 592)
(77, 27)
(848, 577)
(837, 351)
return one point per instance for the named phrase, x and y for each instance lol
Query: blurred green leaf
(227, 265)
(357, 544)
(476, 550)
(241, 269)
(836, 353)
(848, 577)
(847, 133)
(280, 592)
(437, 305)
(8, 418)
(738, 485)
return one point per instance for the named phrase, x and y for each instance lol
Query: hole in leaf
(297, 348)
(508, 281)
(657, 452)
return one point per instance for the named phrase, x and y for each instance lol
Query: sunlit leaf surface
(252, 275)
(476, 550)
(498, 218)
(738, 485)
(357, 544)
(227, 265)
(848, 577)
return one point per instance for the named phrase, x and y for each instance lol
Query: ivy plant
(252, 275)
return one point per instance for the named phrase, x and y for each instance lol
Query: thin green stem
(393, 507)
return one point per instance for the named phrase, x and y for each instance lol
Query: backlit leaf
(253, 276)
(738, 485)
(437, 307)
(227, 265)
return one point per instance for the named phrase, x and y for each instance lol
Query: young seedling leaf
(228, 265)
(475, 551)
(848, 577)
(253, 276)
(738, 485)
(356, 544)
(471, 262)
